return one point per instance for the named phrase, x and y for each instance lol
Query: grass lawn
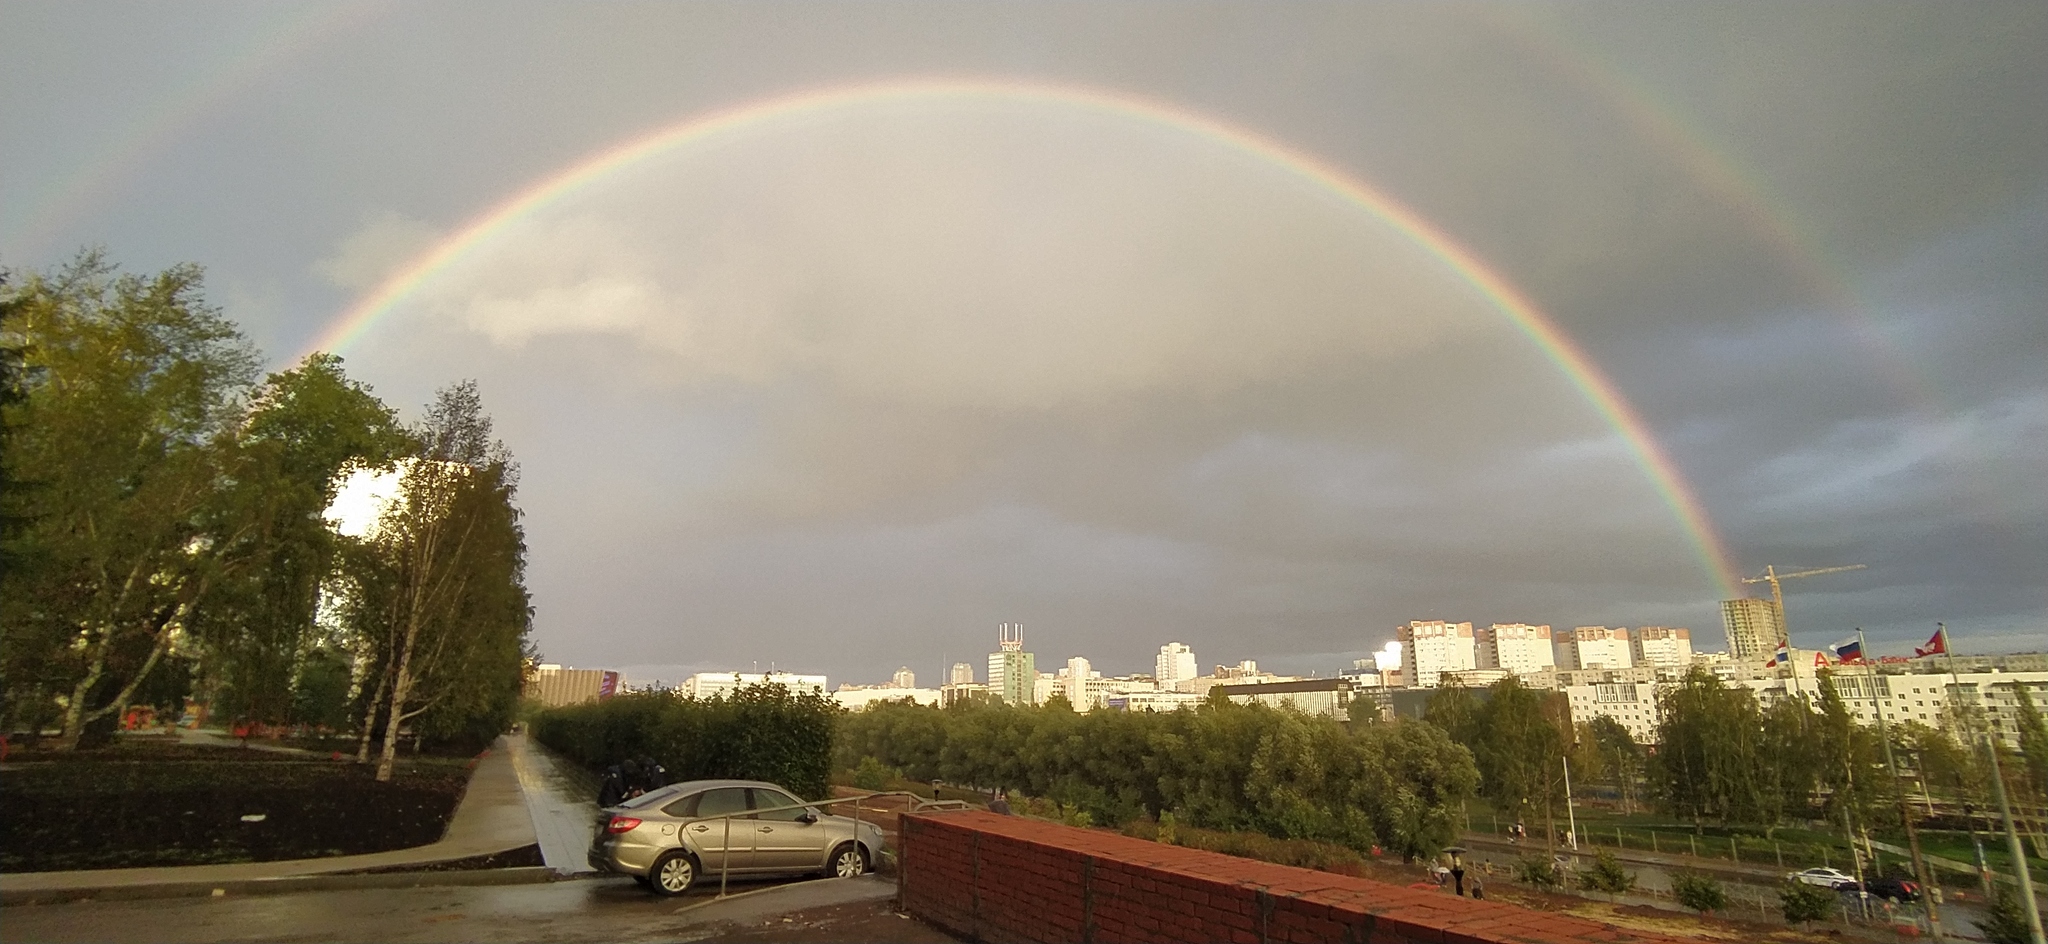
(1797, 847)
(156, 802)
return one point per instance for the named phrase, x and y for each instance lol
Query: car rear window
(683, 808)
(650, 798)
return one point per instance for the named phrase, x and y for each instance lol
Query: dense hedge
(1222, 766)
(762, 732)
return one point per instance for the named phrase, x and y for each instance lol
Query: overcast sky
(842, 389)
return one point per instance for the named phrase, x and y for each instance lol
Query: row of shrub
(759, 732)
(1221, 766)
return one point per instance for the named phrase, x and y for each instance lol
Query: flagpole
(2012, 835)
(1899, 790)
(1962, 717)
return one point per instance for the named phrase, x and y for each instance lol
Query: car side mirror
(807, 817)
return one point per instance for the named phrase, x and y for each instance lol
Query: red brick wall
(1007, 879)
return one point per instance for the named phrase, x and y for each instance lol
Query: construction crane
(1771, 576)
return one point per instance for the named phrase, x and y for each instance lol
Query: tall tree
(1708, 742)
(131, 382)
(304, 427)
(438, 587)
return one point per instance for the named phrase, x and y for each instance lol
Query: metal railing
(918, 804)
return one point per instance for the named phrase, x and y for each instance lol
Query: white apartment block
(1594, 647)
(1429, 648)
(1515, 647)
(1660, 645)
(1176, 663)
(715, 684)
(1634, 704)
(860, 699)
(1152, 701)
(962, 674)
(904, 678)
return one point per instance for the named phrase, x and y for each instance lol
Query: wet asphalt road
(607, 909)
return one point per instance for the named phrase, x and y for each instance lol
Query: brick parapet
(1005, 879)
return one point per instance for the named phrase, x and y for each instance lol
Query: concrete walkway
(492, 817)
(561, 819)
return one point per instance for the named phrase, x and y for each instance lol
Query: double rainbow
(1579, 369)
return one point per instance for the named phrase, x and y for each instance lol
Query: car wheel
(672, 874)
(849, 860)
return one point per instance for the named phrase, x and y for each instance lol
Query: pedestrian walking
(1478, 889)
(1458, 876)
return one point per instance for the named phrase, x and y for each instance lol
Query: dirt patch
(140, 804)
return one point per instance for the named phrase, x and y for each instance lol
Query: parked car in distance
(669, 838)
(1826, 878)
(1896, 889)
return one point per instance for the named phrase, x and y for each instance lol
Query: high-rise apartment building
(1755, 628)
(1594, 647)
(1429, 648)
(1517, 647)
(1012, 672)
(1661, 645)
(1176, 664)
(904, 678)
(962, 674)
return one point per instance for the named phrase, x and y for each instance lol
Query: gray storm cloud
(842, 393)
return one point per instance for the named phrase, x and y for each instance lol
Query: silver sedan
(668, 838)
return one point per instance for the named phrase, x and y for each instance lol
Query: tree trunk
(74, 712)
(401, 690)
(370, 717)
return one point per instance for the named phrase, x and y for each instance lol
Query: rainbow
(1579, 369)
(92, 185)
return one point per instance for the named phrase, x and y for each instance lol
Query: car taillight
(621, 824)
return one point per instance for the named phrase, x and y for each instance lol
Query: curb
(526, 875)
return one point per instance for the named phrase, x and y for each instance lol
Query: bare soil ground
(150, 802)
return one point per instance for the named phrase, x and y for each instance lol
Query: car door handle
(700, 827)
(767, 829)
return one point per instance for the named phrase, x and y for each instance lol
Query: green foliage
(1710, 739)
(128, 384)
(1169, 828)
(1800, 902)
(304, 427)
(1221, 766)
(163, 531)
(320, 692)
(871, 775)
(1698, 891)
(2005, 921)
(1607, 875)
(1300, 853)
(759, 732)
(1537, 871)
(1621, 759)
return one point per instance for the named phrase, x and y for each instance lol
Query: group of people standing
(630, 778)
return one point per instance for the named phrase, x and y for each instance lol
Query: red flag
(1936, 646)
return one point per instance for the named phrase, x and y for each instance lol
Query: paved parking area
(589, 909)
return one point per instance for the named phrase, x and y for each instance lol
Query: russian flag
(1782, 657)
(1848, 650)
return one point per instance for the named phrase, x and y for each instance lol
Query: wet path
(562, 818)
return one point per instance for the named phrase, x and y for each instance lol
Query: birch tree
(438, 588)
(129, 383)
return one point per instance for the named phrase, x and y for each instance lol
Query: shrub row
(760, 732)
(1221, 766)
